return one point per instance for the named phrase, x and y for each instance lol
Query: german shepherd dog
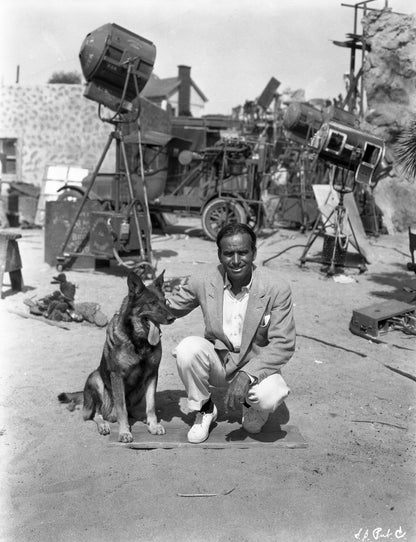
(129, 365)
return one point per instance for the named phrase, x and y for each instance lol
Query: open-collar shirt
(234, 311)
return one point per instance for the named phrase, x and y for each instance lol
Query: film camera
(116, 64)
(350, 149)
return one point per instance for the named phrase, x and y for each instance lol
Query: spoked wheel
(255, 217)
(70, 194)
(219, 212)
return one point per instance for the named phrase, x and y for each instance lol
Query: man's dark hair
(234, 228)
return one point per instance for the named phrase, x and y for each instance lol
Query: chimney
(184, 99)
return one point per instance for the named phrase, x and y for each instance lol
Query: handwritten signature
(372, 535)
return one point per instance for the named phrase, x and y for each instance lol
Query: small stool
(10, 260)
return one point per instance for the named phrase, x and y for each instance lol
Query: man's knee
(270, 393)
(277, 399)
(189, 350)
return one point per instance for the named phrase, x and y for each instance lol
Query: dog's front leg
(117, 384)
(152, 424)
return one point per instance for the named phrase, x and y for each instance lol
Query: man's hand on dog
(237, 391)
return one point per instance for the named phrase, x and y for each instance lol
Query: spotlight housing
(350, 149)
(116, 64)
(302, 121)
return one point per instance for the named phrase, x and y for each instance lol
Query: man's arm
(184, 300)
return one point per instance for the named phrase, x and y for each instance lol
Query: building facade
(50, 125)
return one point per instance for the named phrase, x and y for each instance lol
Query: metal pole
(87, 192)
(145, 197)
(352, 101)
(132, 197)
(362, 91)
(353, 87)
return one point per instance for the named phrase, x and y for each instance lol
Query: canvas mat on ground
(225, 433)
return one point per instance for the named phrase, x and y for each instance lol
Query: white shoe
(254, 420)
(200, 430)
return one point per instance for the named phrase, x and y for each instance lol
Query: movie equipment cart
(221, 183)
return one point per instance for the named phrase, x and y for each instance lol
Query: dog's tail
(71, 398)
(88, 409)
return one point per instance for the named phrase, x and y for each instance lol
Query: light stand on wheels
(125, 227)
(353, 156)
(336, 243)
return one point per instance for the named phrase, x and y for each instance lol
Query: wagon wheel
(70, 193)
(219, 212)
(255, 217)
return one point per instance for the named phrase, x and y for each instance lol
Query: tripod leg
(315, 233)
(304, 215)
(87, 192)
(340, 215)
(132, 198)
(145, 196)
(331, 269)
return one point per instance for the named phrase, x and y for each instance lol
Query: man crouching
(249, 335)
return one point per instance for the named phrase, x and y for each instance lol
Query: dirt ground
(355, 480)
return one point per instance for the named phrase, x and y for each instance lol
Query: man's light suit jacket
(268, 339)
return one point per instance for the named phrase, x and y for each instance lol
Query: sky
(233, 47)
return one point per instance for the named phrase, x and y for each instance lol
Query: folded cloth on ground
(57, 307)
(91, 312)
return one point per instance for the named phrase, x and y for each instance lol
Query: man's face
(237, 256)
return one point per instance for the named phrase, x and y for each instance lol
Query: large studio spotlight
(349, 149)
(301, 121)
(116, 64)
(354, 156)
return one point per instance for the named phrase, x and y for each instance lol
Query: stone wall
(53, 125)
(390, 86)
(57, 125)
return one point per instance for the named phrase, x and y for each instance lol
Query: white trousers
(199, 367)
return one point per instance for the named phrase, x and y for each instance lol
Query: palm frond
(405, 149)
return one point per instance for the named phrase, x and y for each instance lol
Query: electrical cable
(135, 266)
(281, 252)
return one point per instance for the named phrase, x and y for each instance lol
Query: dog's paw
(156, 429)
(104, 428)
(125, 437)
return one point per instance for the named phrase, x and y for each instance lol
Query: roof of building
(160, 88)
(157, 88)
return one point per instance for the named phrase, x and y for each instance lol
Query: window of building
(8, 152)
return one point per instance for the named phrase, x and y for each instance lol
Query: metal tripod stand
(122, 171)
(343, 182)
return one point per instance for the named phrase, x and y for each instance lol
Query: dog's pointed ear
(159, 281)
(134, 283)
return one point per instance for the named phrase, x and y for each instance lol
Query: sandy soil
(62, 482)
